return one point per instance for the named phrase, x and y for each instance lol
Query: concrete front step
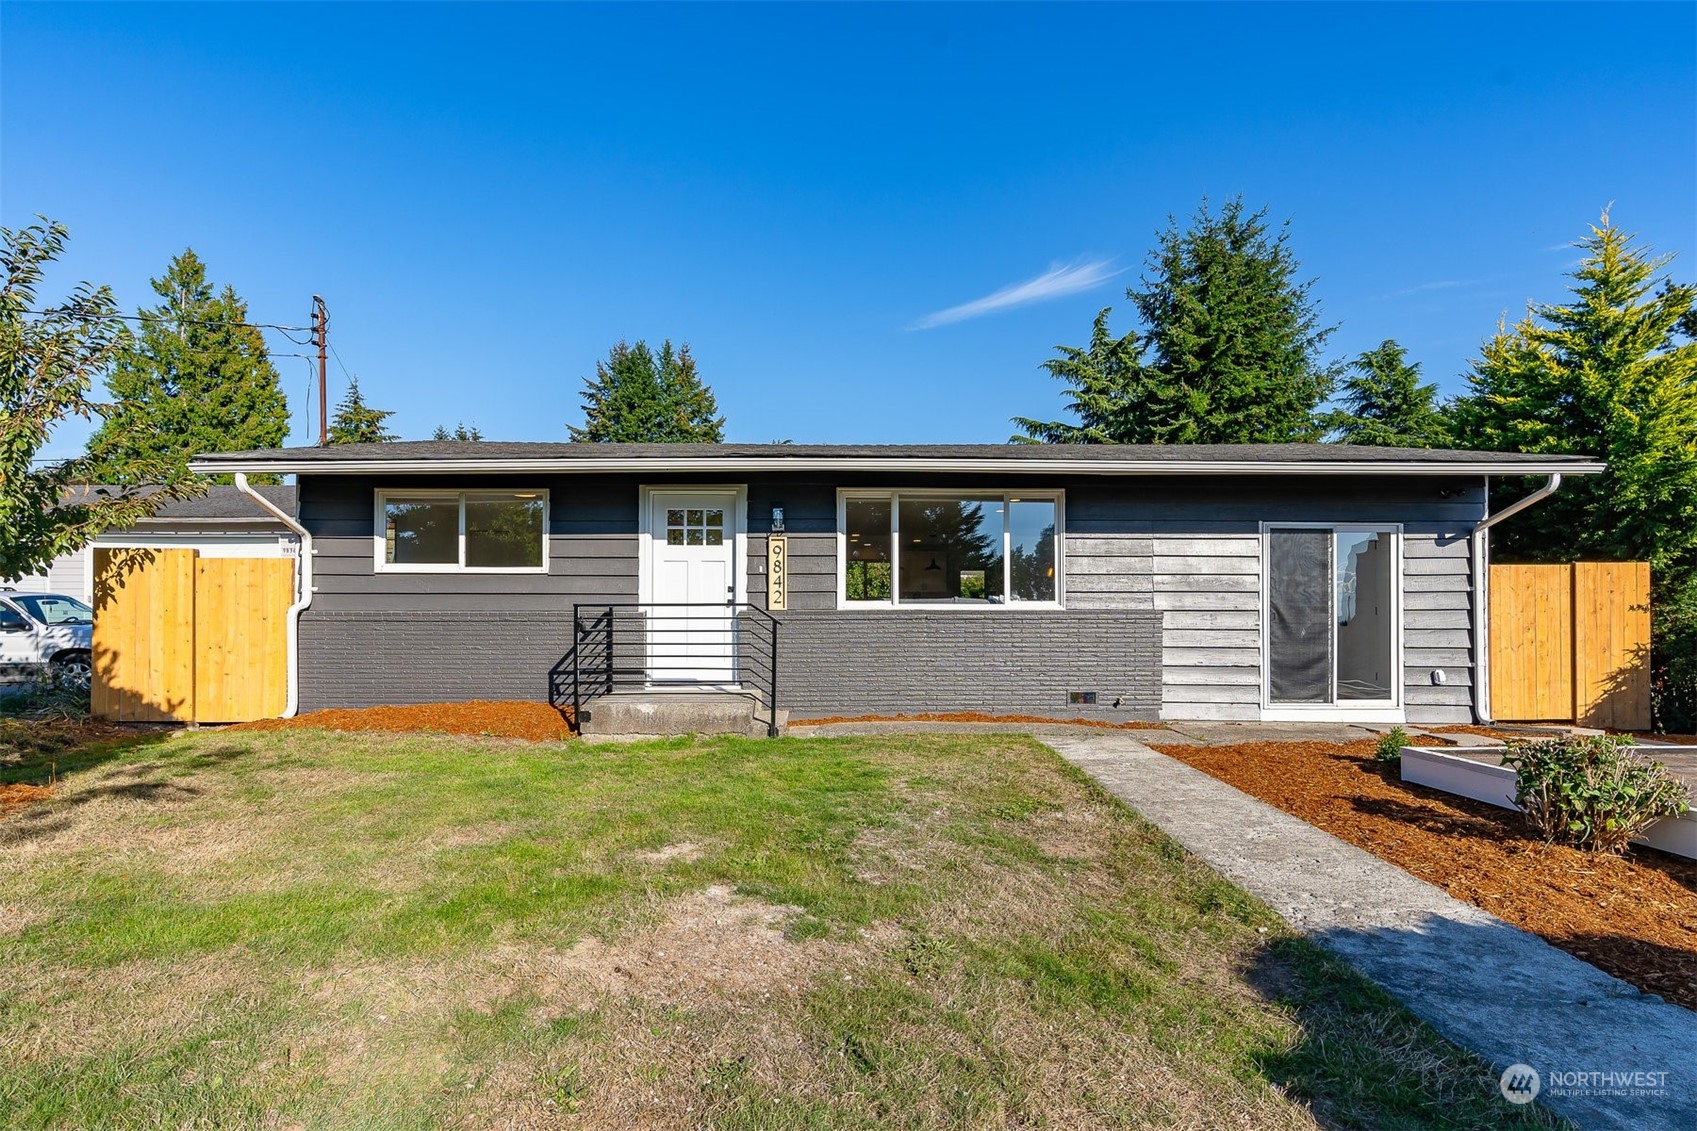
(631, 715)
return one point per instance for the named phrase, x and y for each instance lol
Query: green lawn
(330, 930)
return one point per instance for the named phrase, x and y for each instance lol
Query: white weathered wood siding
(1208, 592)
(1437, 626)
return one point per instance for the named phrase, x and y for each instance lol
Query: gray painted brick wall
(357, 659)
(889, 660)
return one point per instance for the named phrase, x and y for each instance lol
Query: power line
(90, 317)
(338, 358)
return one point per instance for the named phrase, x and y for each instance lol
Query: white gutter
(303, 590)
(947, 465)
(1482, 597)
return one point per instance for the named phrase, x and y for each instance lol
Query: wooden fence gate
(1571, 643)
(182, 638)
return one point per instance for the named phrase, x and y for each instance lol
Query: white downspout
(1482, 598)
(303, 592)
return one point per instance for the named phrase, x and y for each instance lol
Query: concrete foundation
(629, 716)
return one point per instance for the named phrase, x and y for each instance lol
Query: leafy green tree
(1604, 375)
(356, 422)
(1386, 405)
(1230, 353)
(460, 432)
(639, 397)
(50, 358)
(197, 378)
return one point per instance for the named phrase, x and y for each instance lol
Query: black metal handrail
(630, 646)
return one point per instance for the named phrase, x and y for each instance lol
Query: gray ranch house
(1245, 582)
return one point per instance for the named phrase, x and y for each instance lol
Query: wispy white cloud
(1434, 285)
(1059, 281)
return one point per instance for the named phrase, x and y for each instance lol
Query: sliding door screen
(1331, 616)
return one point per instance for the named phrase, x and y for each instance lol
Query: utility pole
(320, 333)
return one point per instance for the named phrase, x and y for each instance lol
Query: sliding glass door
(1331, 616)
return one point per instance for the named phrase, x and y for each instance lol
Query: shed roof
(220, 503)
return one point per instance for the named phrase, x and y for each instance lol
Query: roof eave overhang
(721, 464)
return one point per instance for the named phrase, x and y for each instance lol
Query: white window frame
(379, 537)
(895, 495)
(1353, 710)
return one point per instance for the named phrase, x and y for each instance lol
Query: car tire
(73, 670)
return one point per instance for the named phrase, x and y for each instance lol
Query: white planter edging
(1494, 785)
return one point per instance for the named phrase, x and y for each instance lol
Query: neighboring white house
(223, 523)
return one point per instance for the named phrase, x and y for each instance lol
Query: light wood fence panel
(1571, 643)
(180, 638)
(241, 647)
(144, 636)
(1611, 644)
(1531, 642)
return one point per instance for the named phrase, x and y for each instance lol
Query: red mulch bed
(14, 797)
(971, 717)
(533, 722)
(1634, 916)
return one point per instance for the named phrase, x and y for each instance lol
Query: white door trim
(645, 540)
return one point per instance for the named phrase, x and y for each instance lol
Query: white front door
(692, 624)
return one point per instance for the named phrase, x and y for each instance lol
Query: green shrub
(1592, 793)
(1390, 746)
(1673, 660)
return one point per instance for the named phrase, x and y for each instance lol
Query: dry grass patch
(303, 928)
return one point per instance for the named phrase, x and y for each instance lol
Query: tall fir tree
(197, 378)
(1106, 387)
(1386, 405)
(640, 397)
(1605, 375)
(356, 422)
(1230, 353)
(51, 354)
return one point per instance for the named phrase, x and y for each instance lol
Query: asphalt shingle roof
(418, 454)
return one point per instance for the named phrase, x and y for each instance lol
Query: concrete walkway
(1505, 994)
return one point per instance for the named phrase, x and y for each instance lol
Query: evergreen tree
(460, 432)
(196, 379)
(48, 364)
(1386, 405)
(1231, 353)
(356, 422)
(638, 396)
(1106, 382)
(1604, 375)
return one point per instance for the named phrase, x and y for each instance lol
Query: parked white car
(45, 634)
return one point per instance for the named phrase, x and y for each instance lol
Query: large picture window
(1331, 616)
(971, 548)
(462, 530)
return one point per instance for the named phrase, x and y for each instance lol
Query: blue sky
(871, 223)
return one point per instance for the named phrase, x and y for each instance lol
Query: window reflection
(951, 550)
(868, 557)
(422, 531)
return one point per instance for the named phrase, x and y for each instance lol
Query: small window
(472, 530)
(950, 548)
